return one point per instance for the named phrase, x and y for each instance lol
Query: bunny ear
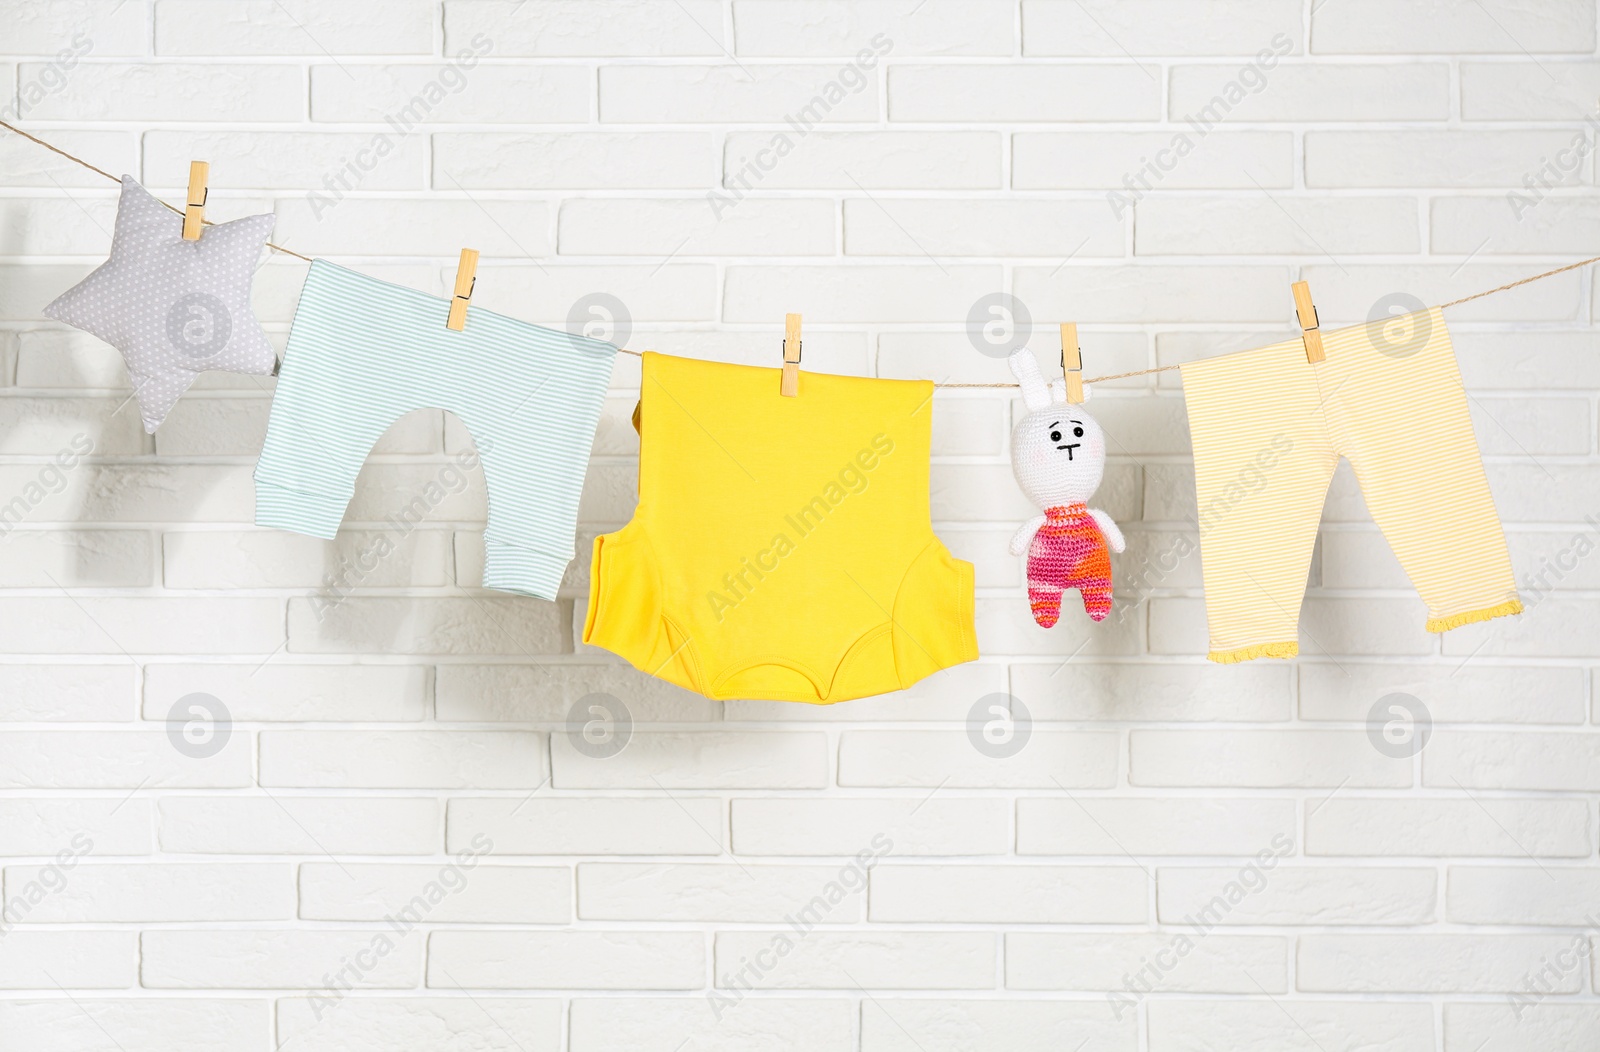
(1034, 393)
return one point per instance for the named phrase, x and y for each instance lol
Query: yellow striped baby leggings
(1269, 428)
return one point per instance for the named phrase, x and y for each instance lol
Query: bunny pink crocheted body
(1068, 551)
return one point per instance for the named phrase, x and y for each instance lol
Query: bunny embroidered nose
(1070, 448)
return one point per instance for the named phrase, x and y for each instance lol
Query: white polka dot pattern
(174, 308)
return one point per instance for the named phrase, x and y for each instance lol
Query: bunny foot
(1046, 604)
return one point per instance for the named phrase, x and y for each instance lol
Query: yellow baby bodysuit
(782, 547)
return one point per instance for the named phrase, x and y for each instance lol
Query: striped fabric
(1068, 551)
(1268, 428)
(363, 352)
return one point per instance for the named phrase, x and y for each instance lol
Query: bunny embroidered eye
(1077, 432)
(1055, 436)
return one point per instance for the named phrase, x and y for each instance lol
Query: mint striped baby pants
(363, 352)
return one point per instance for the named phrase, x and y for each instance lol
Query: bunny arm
(1024, 535)
(1109, 528)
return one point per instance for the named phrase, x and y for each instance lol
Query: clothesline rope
(101, 171)
(639, 354)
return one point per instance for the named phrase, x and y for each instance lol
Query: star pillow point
(174, 308)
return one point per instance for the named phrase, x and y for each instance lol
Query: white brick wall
(392, 840)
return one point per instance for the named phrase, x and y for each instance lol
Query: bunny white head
(1058, 451)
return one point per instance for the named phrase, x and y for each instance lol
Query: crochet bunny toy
(1058, 454)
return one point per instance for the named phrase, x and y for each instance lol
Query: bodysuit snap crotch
(782, 547)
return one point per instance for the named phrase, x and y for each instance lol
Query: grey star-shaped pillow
(174, 308)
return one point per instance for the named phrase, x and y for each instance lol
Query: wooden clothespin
(1072, 362)
(194, 215)
(1307, 312)
(790, 388)
(466, 281)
